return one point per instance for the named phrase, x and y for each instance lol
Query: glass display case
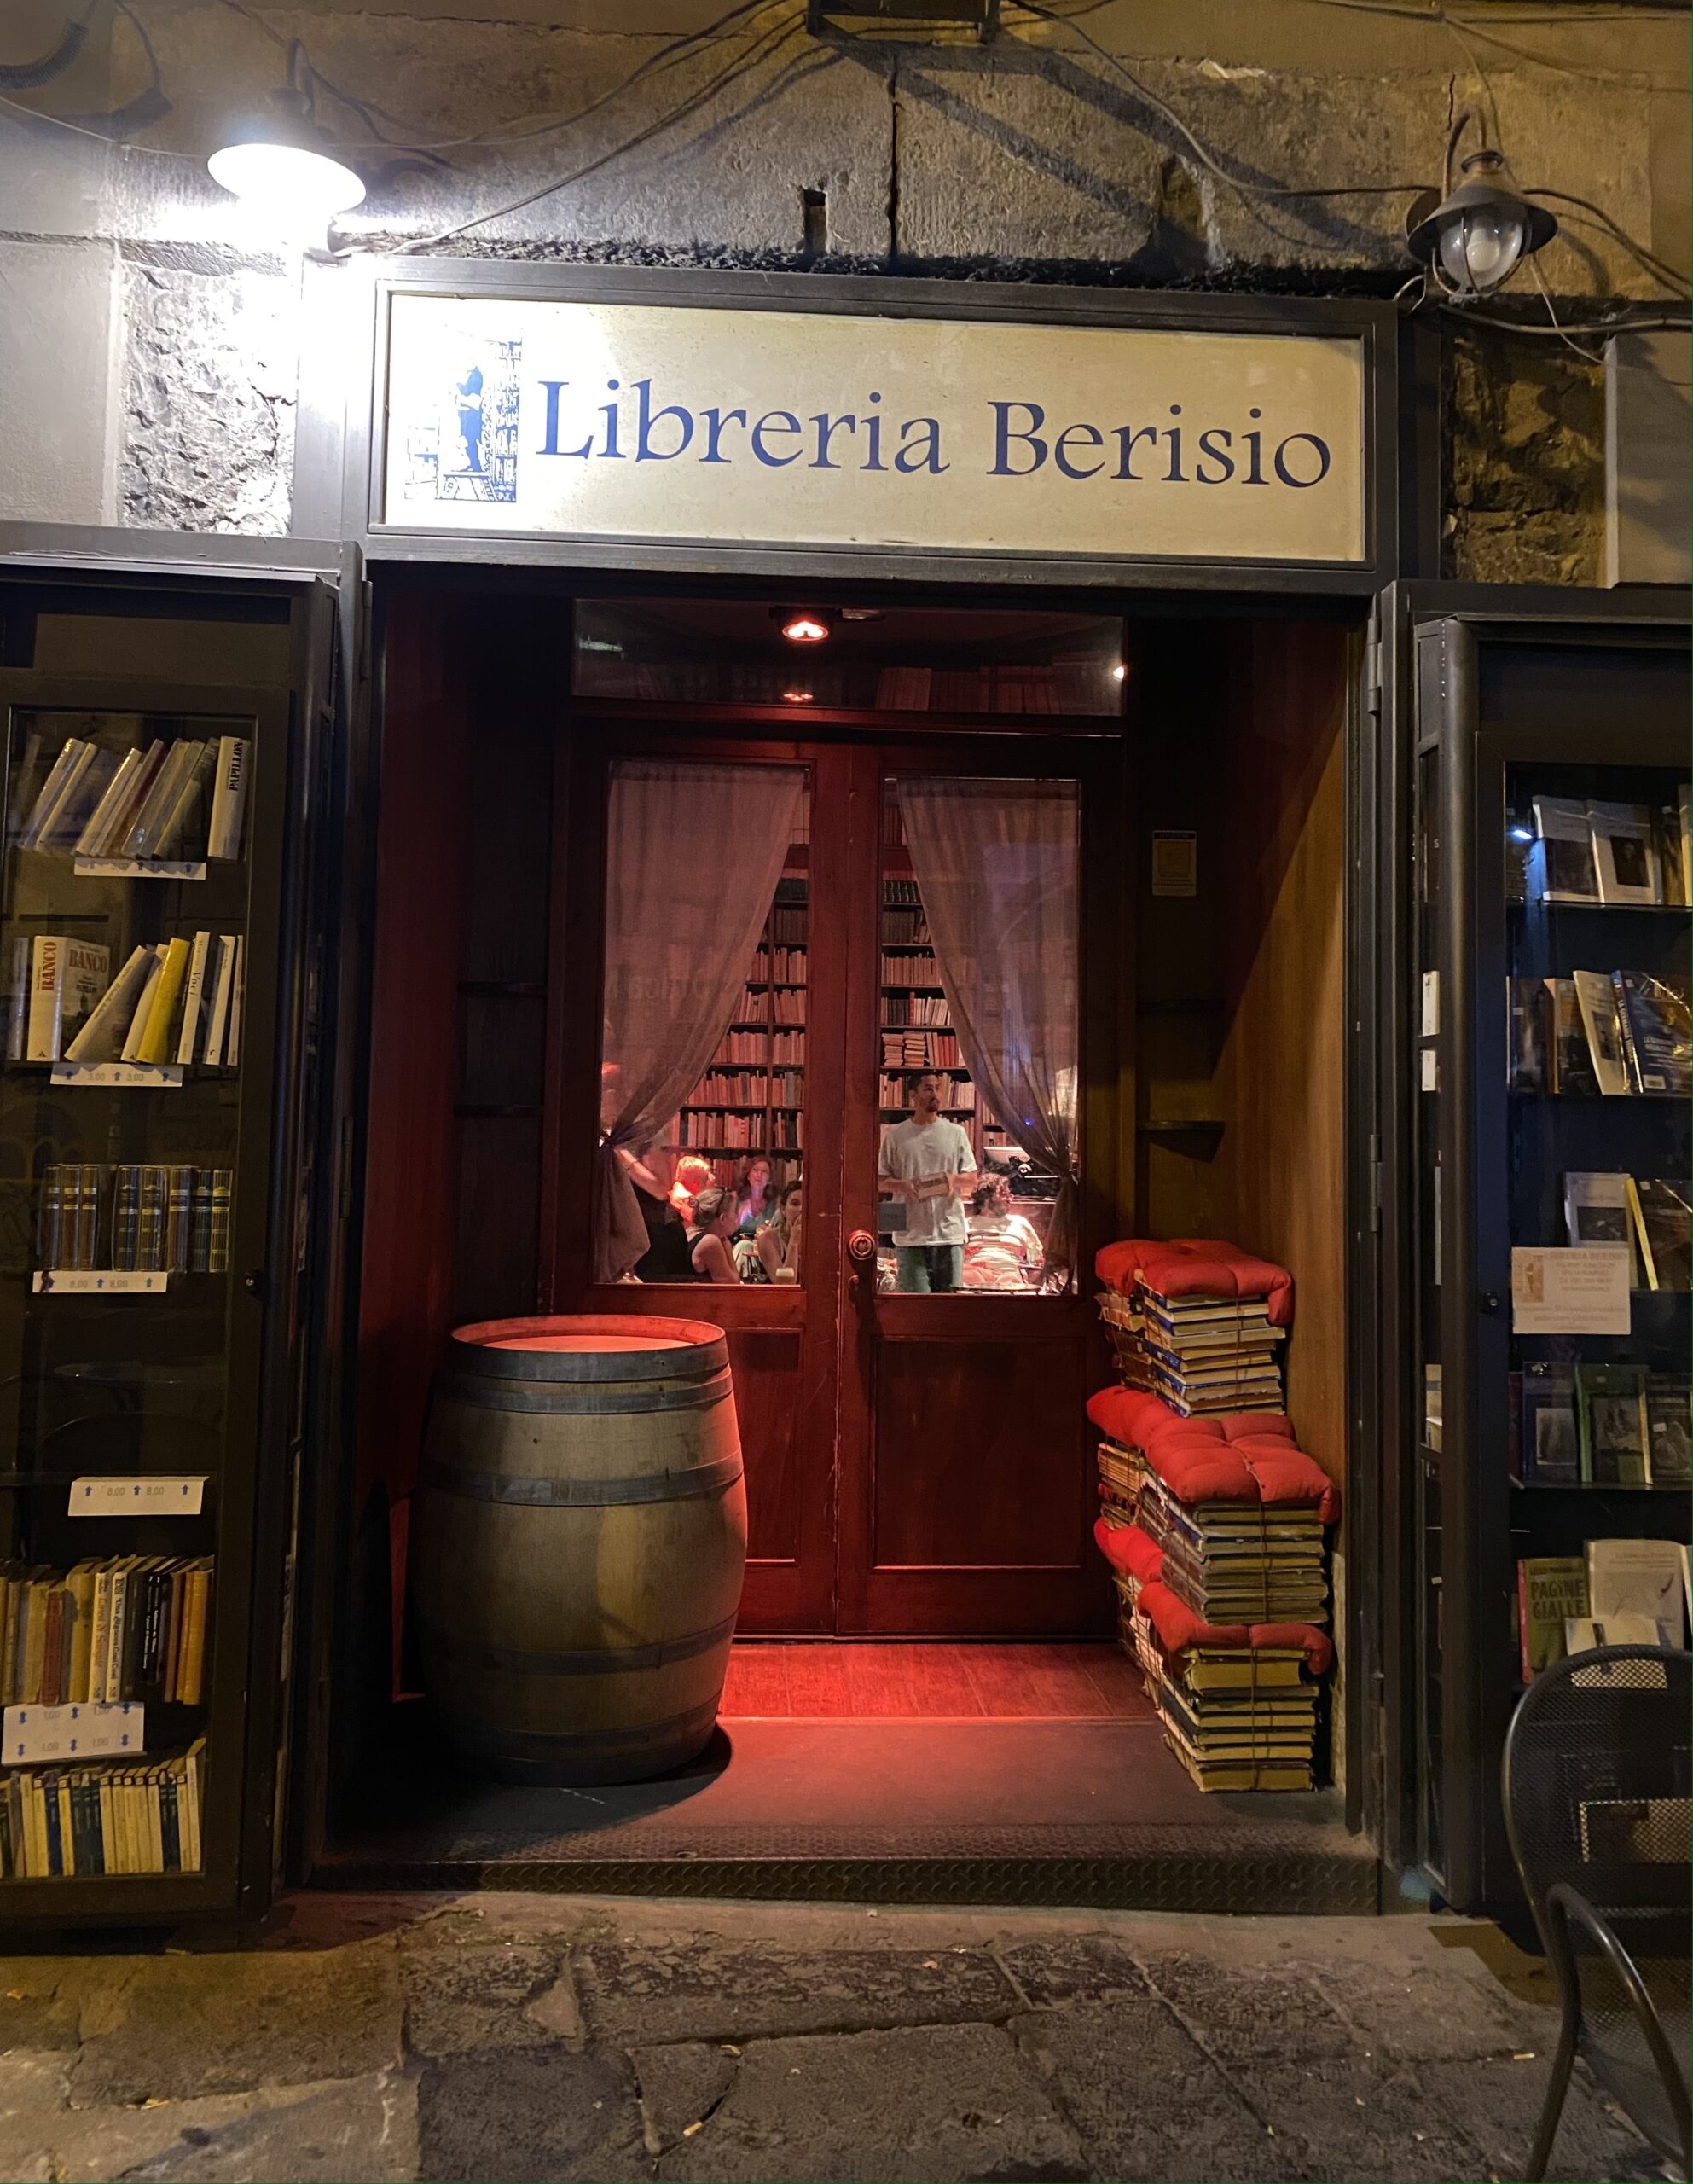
(1550, 1077)
(145, 1068)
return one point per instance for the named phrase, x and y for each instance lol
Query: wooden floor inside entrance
(769, 1681)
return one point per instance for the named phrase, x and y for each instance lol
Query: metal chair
(1596, 1802)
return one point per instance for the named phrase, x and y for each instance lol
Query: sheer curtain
(997, 866)
(693, 855)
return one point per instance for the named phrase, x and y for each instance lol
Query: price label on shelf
(135, 868)
(161, 1494)
(98, 1281)
(83, 1731)
(168, 1074)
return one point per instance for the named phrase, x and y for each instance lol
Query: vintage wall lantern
(280, 161)
(1473, 238)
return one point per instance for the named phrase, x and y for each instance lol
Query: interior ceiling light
(279, 160)
(1476, 236)
(806, 625)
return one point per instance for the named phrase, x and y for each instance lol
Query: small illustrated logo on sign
(467, 449)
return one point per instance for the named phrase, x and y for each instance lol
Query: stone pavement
(507, 2038)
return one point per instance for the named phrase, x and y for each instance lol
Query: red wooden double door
(916, 1465)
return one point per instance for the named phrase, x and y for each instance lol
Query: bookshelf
(1549, 1072)
(751, 1097)
(142, 883)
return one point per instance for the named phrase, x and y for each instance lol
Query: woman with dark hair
(755, 1193)
(709, 1229)
(777, 1243)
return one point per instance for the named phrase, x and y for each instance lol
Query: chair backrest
(1597, 1784)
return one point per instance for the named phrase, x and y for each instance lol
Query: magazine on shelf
(1552, 1439)
(1596, 1211)
(1626, 852)
(1657, 1031)
(1662, 1207)
(1611, 1410)
(1562, 867)
(1597, 999)
(1669, 1428)
(1636, 1576)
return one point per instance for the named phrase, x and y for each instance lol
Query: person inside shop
(709, 1229)
(692, 1175)
(755, 1193)
(1002, 1250)
(923, 1162)
(775, 1248)
(654, 1175)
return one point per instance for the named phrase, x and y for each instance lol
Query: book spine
(217, 1243)
(46, 997)
(194, 994)
(103, 1036)
(179, 1220)
(174, 827)
(118, 1625)
(138, 843)
(229, 798)
(155, 1043)
(232, 1045)
(131, 1050)
(104, 812)
(150, 1229)
(113, 831)
(48, 795)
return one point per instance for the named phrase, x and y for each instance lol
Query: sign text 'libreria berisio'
(619, 421)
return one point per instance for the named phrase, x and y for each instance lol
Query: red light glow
(805, 629)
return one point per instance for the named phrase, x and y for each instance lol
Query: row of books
(783, 1005)
(112, 1818)
(134, 1627)
(1653, 1215)
(1584, 850)
(1200, 1355)
(901, 1009)
(906, 927)
(710, 1130)
(134, 1217)
(173, 1002)
(164, 802)
(749, 1088)
(782, 965)
(737, 1048)
(787, 925)
(1616, 1592)
(897, 893)
(919, 1050)
(915, 969)
(960, 1101)
(1610, 1033)
(1600, 1425)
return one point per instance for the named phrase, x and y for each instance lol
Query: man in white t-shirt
(922, 1161)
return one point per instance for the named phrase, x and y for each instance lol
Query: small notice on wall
(85, 1731)
(1583, 1290)
(1176, 863)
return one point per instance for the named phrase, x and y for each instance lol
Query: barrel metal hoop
(582, 1368)
(600, 1400)
(581, 1493)
(620, 1660)
(486, 1741)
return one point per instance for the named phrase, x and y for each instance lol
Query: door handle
(862, 1246)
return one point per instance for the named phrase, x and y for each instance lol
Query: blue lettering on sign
(1022, 441)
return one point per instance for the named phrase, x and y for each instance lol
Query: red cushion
(1178, 1628)
(1237, 1456)
(1198, 1266)
(1125, 1547)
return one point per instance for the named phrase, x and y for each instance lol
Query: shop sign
(618, 421)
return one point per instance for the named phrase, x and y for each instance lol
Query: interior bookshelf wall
(751, 1097)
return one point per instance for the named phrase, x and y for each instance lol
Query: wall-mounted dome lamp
(1473, 237)
(279, 161)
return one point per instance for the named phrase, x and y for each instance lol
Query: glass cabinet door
(127, 1369)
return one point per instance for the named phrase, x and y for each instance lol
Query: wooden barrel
(580, 1541)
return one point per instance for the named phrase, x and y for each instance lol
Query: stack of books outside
(1122, 1472)
(1237, 1717)
(1201, 1354)
(1238, 1561)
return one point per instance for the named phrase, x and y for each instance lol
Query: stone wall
(1055, 151)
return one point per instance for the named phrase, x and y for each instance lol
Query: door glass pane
(978, 1031)
(702, 1060)
(123, 941)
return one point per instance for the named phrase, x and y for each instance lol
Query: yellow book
(108, 1827)
(156, 1043)
(191, 1679)
(80, 1583)
(68, 1831)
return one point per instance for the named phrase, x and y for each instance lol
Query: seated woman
(772, 1255)
(692, 1175)
(755, 1193)
(709, 1229)
(1002, 1250)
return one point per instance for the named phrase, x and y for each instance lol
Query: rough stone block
(508, 2117)
(1248, 2015)
(1496, 2101)
(679, 2088)
(1072, 1968)
(476, 1996)
(717, 1991)
(171, 2027)
(1145, 2101)
(939, 2101)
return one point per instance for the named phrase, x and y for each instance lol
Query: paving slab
(1353, 2119)
(1248, 2015)
(646, 1993)
(1072, 1968)
(680, 2086)
(476, 1995)
(174, 2027)
(950, 2103)
(1498, 2102)
(515, 2115)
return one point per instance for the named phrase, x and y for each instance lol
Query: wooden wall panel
(1280, 1080)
